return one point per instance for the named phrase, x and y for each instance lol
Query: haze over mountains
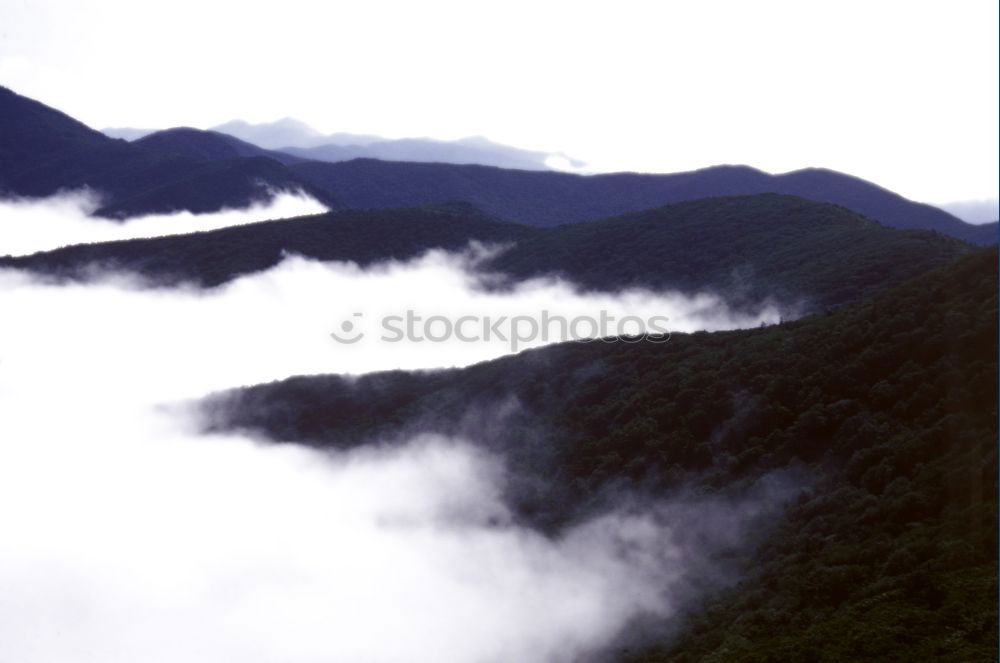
(887, 406)
(297, 138)
(802, 255)
(974, 211)
(819, 483)
(44, 151)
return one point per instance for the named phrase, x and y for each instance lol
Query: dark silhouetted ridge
(747, 249)
(886, 410)
(43, 152)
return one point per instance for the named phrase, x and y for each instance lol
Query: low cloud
(133, 541)
(129, 537)
(32, 225)
(277, 323)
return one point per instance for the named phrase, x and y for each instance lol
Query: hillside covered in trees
(886, 408)
(806, 255)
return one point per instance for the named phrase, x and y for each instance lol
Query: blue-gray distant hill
(473, 150)
(295, 137)
(550, 198)
(44, 151)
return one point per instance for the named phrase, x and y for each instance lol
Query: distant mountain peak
(284, 124)
(284, 132)
(296, 137)
(43, 151)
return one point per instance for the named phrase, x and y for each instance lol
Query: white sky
(901, 93)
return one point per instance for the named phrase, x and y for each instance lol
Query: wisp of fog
(30, 225)
(129, 537)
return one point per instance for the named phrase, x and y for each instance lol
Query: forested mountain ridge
(211, 258)
(550, 198)
(750, 248)
(43, 151)
(208, 145)
(889, 406)
(747, 249)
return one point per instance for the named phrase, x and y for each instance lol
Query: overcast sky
(901, 93)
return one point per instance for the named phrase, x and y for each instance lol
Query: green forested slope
(888, 408)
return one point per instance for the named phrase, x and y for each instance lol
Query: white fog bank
(168, 344)
(127, 537)
(30, 225)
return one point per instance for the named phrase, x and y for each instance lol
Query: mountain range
(294, 137)
(877, 396)
(43, 151)
(886, 407)
(809, 256)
